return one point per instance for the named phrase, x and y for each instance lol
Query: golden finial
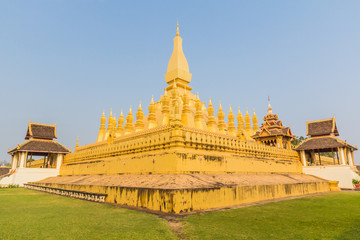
(269, 106)
(177, 29)
(197, 96)
(210, 103)
(121, 114)
(103, 115)
(220, 107)
(230, 110)
(130, 111)
(110, 113)
(152, 99)
(140, 106)
(239, 112)
(247, 112)
(77, 143)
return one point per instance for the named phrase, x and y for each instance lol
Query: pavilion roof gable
(41, 131)
(322, 128)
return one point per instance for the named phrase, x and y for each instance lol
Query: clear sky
(65, 62)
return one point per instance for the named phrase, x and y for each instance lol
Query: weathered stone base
(95, 197)
(189, 199)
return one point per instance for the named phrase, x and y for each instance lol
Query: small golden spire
(231, 124)
(248, 123)
(77, 143)
(152, 116)
(210, 103)
(129, 127)
(102, 130)
(119, 129)
(221, 122)
(139, 124)
(255, 123)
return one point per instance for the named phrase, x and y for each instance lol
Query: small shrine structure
(40, 142)
(323, 139)
(273, 132)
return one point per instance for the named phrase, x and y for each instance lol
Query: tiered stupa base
(179, 193)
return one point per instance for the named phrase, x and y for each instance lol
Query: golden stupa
(182, 156)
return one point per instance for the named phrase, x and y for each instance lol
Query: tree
(5, 163)
(297, 140)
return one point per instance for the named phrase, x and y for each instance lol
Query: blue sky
(65, 62)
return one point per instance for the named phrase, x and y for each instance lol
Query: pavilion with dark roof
(323, 138)
(40, 142)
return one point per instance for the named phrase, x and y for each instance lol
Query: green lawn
(26, 214)
(329, 216)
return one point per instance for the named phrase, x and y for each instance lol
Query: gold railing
(160, 139)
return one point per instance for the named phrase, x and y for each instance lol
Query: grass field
(329, 216)
(26, 214)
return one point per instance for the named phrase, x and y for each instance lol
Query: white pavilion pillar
(303, 157)
(59, 160)
(342, 156)
(15, 161)
(349, 155)
(22, 159)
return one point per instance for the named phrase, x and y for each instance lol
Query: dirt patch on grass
(176, 225)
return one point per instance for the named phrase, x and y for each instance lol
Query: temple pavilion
(40, 142)
(323, 139)
(273, 132)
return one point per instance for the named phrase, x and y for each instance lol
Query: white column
(342, 156)
(351, 163)
(22, 159)
(303, 157)
(59, 160)
(15, 160)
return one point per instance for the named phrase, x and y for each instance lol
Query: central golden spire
(178, 68)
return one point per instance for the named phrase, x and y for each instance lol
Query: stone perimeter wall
(186, 200)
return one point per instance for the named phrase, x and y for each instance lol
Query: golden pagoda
(183, 156)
